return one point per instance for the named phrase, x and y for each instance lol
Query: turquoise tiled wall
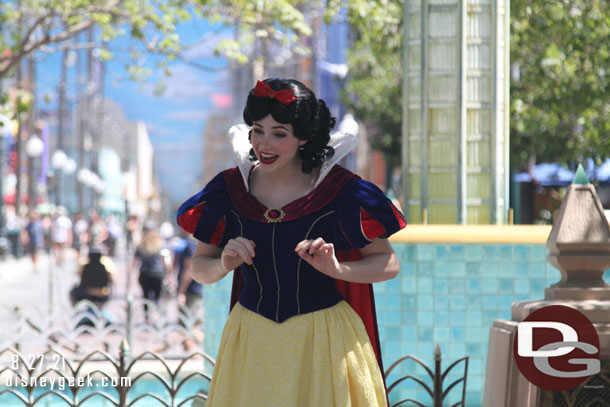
(447, 294)
(450, 294)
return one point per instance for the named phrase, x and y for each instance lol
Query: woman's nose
(264, 139)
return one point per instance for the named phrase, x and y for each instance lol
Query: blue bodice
(346, 211)
(279, 284)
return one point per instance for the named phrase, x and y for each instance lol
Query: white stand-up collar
(342, 143)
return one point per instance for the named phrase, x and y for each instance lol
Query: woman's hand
(237, 251)
(320, 255)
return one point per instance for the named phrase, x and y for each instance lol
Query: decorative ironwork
(168, 328)
(437, 392)
(34, 379)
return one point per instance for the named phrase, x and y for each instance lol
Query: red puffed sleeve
(204, 214)
(363, 213)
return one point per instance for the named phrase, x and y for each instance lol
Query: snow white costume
(295, 336)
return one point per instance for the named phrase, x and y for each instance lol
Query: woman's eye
(258, 131)
(280, 135)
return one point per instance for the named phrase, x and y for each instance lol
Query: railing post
(124, 353)
(129, 319)
(438, 380)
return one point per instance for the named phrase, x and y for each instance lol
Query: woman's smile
(266, 158)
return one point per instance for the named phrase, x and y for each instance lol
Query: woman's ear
(302, 142)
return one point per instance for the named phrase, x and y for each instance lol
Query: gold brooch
(274, 215)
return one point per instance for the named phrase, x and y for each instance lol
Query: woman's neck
(279, 189)
(288, 175)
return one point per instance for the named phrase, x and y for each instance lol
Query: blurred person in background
(60, 235)
(189, 291)
(114, 234)
(95, 278)
(131, 232)
(151, 258)
(79, 233)
(33, 237)
(46, 231)
(97, 232)
(13, 226)
(167, 233)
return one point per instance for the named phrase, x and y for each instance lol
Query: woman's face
(275, 145)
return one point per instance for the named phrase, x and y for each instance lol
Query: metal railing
(34, 380)
(437, 392)
(167, 328)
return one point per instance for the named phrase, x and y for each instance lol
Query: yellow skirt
(318, 359)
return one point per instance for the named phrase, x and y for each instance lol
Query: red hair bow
(284, 96)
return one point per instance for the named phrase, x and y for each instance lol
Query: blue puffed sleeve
(363, 213)
(203, 214)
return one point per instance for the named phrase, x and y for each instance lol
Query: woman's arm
(378, 264)
(206, 266)
(211, 263)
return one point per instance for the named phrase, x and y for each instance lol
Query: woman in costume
(305, 237)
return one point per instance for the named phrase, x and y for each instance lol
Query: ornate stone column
(579, 246)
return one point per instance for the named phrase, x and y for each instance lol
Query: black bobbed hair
(309, 116)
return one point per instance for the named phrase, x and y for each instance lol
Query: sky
(175, 120)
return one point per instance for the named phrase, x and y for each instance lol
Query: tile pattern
(447, 294)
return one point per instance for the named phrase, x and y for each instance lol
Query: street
(21, 286)
(41, 294)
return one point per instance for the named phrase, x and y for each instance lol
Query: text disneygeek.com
(60, 383)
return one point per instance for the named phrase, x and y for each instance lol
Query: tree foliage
(560, 102)
(259, 25)
(29, 26)
(259, 28)
(374, 82)
(560, 90)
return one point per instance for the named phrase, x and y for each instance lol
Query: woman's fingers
(319, 254)
(242, 248)
(327, 248)
(313, 246)
(309, 246)
(303, 246)
(242, 252)
(316, 245)
(247, 244)
(229, 252)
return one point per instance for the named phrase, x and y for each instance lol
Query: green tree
(560, 93)
(374, 82)
(560, 88)
(29, 26)
(260, 29)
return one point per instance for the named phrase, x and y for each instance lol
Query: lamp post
(58, 161)
(33, 149)
(5, 128)
(68, 169)
(91, 180)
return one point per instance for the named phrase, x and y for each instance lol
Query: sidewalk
(21, 286)
(46, 291)
(10, 267)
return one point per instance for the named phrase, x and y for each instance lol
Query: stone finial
(579, 244)
(581, 177)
